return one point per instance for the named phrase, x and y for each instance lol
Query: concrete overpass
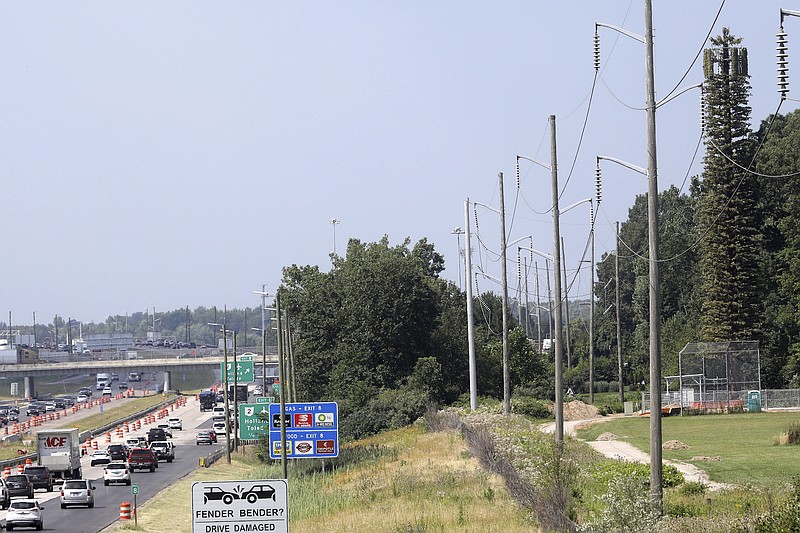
(29, 371)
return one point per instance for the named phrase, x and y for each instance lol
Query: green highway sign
(135, 489)
(253, 420)
(244, 372)
(265, 399)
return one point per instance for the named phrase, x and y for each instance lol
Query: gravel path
(624, 451)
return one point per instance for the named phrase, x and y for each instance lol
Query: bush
(793, 433)
(785, 517)
(530, 407)
(693, 488)
(671, 476)
(601, 386)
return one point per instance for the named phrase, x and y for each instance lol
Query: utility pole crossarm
(631, 166)
(790, 12)
(535, 162)
(623, 31)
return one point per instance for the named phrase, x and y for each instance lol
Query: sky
(158, 155)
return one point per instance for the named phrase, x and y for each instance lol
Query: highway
(108, 499)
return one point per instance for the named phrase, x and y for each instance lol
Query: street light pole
(225, 381)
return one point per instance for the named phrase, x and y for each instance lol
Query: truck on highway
(60, 451)
(208, 399)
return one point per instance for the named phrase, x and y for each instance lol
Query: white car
(107, 391)
(82, 398)
(24, 513)
(175, 423)
(219, 428)
(116, 472)
(100, 457)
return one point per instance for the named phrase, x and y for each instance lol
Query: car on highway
(116, 472)
(40, 477)
(137, 441)
(5, 496)
(24, 513)
(122, 385)
(175, 423)
(34, 409)
(12, 416)
(77, 492)
(164, 450)
(85, 390)
(114, 376)
(19, 485)
(205, 437)
(142, 459)
(217, 414)
(82, 398)
(100, 457)
(155, 434)
(117, 452)
(107, 391)
(219, 428)
(167, 430)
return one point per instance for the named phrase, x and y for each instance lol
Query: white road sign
(234, 506)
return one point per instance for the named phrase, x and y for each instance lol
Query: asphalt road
(108, 499)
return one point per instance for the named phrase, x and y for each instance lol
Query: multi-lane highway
(108, 499)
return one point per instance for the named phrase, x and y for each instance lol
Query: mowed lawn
(744, 443)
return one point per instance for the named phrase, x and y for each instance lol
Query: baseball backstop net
(715, 376)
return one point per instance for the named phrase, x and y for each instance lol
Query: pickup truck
(143, 459)
(165, 451)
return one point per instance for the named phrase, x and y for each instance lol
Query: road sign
(312, 430)
(265, 399)
(135, 489)
(244, 371)
(253, 420)
(251, 505)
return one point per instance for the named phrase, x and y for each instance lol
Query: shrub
(693, 488)
(785, 517)
(793, 433)
(627, 505)
(530, 407)
(601, 386)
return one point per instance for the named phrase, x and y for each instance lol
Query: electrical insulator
(517, 172)
(596, 51)
(783, 63)
(702, 109)
(591, 214)
(597, 186)
(519, 268)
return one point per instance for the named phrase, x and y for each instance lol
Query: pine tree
(728, 199)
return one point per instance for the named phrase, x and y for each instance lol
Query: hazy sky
(182, 153)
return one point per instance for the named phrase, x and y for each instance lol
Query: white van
(218, 414)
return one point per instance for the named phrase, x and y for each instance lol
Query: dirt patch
(706, 459)
(607, 436)
(674, 445)
(577, 410)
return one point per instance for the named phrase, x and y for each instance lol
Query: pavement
(623, 451)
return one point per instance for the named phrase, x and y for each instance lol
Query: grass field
(744, 444)
(424, 482)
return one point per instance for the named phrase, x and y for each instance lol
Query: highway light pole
(225, 381)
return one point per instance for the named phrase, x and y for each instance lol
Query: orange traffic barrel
(125, 511)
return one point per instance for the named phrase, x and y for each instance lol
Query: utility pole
(656, 469)
(566, 302)
(538, 308)
(503, 259)
(559, 353)
(282, 381)
(473, 373)
(591, 315)
(619, 327)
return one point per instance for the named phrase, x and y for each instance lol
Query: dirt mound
(674, 445)
(706, 459)
(577, 410)
(607, 436)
